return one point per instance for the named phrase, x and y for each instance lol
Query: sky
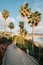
(13, 6)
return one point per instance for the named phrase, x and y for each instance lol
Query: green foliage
(26, 6)
(10, 40)
(19, 39)
(26, 45)
(36, 53)
(5, 13)
(11, 25)
(5, 40)
(22, 46)
(34, 18)
(21, 24)
(0, 40)
(41, 56)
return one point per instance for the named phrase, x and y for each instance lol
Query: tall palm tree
(11, 26)
(24, 10)
(5, 14)
(34, 20)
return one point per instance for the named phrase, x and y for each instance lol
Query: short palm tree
(25, 31)
(11, 26)
(5, 14)
(34, 20)
(21, 25)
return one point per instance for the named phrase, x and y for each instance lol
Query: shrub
(21, 46)
(0, 40)
(19, 39)
(36, 53)
(10, 39)
(4, 40)
(28, 43)
(24, 47)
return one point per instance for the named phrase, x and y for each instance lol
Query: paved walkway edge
(4, 58)
(33, 59)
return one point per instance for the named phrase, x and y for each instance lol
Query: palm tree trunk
(11, 34)
(24, 30)
(20, 31)
(4, 27)
(10, 30)
(32, 37)
(23, 37)
(32, 33)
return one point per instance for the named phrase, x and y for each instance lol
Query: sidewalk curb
(4, 58)
(33, 59)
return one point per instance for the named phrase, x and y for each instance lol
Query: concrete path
(14, 56)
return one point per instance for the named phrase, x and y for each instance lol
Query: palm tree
(34, 20)
(11, 26)
(5, 15)
(25, 32)
(21, 25)
(25, 11)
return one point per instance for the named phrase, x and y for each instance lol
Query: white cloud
(10, 20)
(1, 22)
(38, 6)
(39, 29)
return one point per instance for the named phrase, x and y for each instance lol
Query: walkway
(14, 56)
